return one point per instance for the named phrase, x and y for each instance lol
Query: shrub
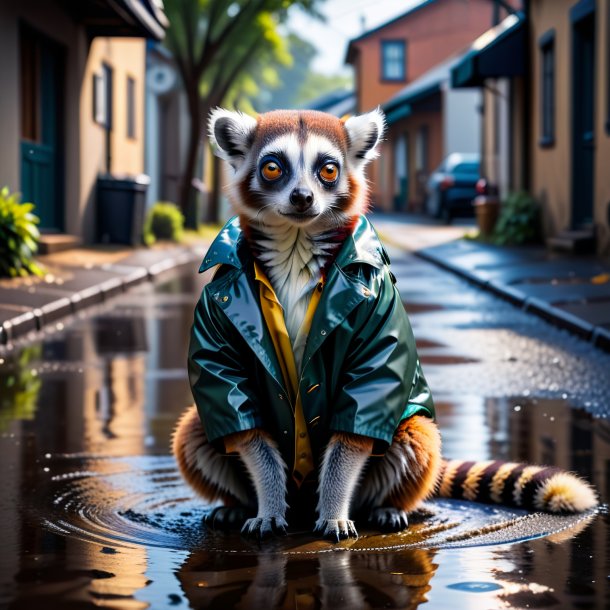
(519, 221)
(18, 236)
(163, 221)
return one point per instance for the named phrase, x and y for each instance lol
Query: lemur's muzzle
(301, 199)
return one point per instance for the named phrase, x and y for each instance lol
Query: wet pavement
(570, 291)
(94, 513)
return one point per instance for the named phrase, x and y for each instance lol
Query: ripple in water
(142, 501)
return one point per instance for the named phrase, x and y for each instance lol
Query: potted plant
(486, 206)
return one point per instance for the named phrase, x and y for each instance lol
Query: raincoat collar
(362, 246)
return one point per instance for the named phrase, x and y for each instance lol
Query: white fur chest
(293, 261)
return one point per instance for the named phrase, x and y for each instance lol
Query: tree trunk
(214, 199)
(188, 196)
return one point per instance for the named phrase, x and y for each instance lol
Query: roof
(500, 51)
(137, 18)
(413, 9)
(339, 103)
(429, 83)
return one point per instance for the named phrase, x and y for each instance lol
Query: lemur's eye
(328, 172)
(271, 170)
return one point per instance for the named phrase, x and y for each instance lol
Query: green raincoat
(360, 371)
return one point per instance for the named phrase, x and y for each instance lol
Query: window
(393, 60)
(547, 88)
(102, 97)
(131, 107)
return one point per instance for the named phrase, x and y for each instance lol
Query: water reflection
(330, 580)
(94, 514)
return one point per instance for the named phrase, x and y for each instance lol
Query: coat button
(303, 456)
(302, 434)
(366, 292)
(225, 299)
(323, 333)
(280, 396)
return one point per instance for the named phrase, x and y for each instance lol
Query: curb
(598, 336)
(127, 276)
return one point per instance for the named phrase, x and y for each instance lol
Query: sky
(343, 22)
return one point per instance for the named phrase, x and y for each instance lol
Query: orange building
(389, 58)
(547, 125)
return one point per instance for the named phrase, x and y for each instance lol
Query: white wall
(461, 121)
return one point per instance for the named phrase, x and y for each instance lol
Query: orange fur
(423, 438)
(188, 436)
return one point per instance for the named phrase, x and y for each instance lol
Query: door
(583, 126)
(41, 127)
(401, 174)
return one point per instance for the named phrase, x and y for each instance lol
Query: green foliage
(224, 50)
(19, 388)
(298, 84)
(163, 221)
(315, 85)
(18, 236)
(519, 221)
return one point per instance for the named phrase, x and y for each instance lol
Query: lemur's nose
(301, 198)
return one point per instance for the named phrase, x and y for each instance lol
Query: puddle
(143, 501)
(95, 514)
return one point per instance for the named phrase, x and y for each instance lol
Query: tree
(214, 43)
(298, 84)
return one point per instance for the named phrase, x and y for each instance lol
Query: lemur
(300, 192)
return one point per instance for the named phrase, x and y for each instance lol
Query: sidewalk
(78, 278)
(572, 292)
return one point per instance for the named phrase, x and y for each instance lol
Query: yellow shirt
(274, 318)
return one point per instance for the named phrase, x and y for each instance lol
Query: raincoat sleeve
(223, 393)
(382, 383)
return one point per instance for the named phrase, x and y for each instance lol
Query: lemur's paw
(227, 517)
(389, 519)
(336, 529)
(264, 527)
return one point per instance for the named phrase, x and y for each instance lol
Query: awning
(499, 52)
(427, 85)
(133, 18)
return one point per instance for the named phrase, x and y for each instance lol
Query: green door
(41, 127)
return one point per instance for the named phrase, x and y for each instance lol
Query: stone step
(57, 242)
(574, 241)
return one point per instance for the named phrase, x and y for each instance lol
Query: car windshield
(466, 168)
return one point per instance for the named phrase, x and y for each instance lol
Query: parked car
(452, 186)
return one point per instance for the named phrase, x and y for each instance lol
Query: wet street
(95, 515)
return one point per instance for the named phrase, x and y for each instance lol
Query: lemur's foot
(336, 529)
(264, 527)
(227, 517)
(389, 519)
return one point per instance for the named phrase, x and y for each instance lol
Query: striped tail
(538, 488)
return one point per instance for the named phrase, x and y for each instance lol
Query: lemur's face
(299, 167)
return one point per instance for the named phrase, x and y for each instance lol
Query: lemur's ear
(231, 134)
(365, 132)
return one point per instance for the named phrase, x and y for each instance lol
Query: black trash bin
(121, 204)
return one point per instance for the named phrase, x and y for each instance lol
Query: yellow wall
(126, 57)
(551, 168)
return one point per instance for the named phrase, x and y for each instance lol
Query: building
(403, 66)
(547, 84)
(73, 102)
(427, 120)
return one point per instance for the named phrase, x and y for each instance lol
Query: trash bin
(121, 204)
